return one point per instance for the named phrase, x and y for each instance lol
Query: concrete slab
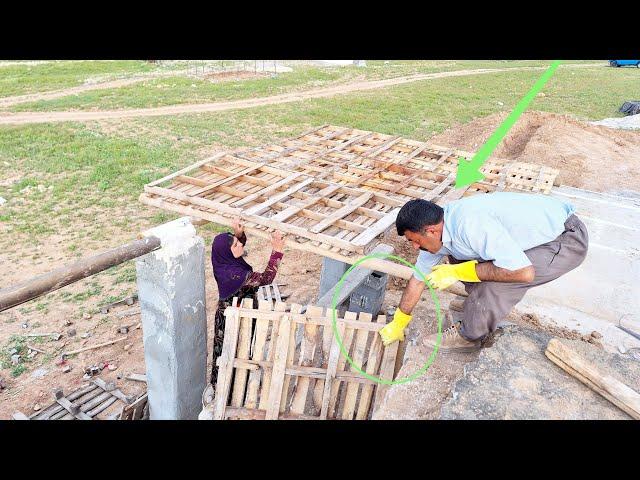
(605, 288)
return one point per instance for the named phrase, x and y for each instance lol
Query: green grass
(177, 90)
(181, 90)
(23, 79)
(98, 173)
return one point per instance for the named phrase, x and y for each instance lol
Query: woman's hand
(277, 241)
(238, 227)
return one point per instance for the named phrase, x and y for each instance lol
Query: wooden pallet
(83, 404)
(333, 189)
(138, 410)
(278, 363)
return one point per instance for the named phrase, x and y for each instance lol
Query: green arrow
(469, 171)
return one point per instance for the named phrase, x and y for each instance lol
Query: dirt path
(65, 92)
(62, 116)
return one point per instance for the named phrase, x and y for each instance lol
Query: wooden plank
(351, 391)
(218, 183)
(387, 368)
(347, 339)
(257, 353)
(291, 350)
(262, 207)
(307, 354)
(188, 169)
(342, 212)
(73, 409)
(103, 406)
(378, 228)
(115, 392)
(242, 352)
(225, 362)
(327, 338)
(136, 377)
(621, 395)
(279, 367)
(332, 368)
(306, 203)
(272, 337)
(268, 190)
(373, 363)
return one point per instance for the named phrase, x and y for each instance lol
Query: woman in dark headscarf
(236, 278)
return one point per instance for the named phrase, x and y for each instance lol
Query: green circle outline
(334, 322)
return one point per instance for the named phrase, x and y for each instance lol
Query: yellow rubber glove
(394, 330)
(443, 276)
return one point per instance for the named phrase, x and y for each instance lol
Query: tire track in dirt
(75, 116)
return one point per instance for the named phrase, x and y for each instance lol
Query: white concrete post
(171, 291)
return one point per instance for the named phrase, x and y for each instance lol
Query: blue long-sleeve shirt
(497, 227)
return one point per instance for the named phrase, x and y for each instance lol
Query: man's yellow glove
(394, 330)
(443, 276)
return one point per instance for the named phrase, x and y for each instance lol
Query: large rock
(513, 379)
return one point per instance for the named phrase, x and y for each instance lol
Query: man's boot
(452, 341)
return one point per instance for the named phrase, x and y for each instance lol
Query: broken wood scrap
(621, 395)
(80, 350)
(136, 377)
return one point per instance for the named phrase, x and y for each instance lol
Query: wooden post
(58, 278)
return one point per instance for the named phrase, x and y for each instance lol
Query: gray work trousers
(489, 303)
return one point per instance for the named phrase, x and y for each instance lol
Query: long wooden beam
(58, 278)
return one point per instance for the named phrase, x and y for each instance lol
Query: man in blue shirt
(499, 245)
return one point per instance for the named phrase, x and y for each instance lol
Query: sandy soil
(588, 156)
(299, 270)
(45, 117)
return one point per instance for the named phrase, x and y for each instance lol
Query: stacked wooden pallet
(333, 190)
(278, 363)
(87, 403)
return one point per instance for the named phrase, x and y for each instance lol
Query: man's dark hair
(417, 214)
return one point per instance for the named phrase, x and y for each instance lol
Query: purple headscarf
(230, 272)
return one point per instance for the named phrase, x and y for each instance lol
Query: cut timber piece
(386, 371)
(268, 190)
(258, 354)
(342, 212)
(378, 228)
(72, 408)
(225, 362)
(332, 368)
(347, 339)
(244, 345)
(351, 390)
(295, 309)
(189, 168)
(261, 207)
(308, 349)
(291, 211)
(373, 363)
(279, 367)
(625, 398)
(212, 186)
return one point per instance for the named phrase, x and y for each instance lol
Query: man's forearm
(411, 295)
(488, 272)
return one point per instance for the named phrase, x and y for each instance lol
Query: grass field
(184, 90)
(22, 79)
(72, 188)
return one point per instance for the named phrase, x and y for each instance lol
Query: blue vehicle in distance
(622, 63)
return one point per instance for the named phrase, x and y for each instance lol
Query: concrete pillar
(330, 274)
(171, 292)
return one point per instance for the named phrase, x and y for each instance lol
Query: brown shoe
(451, 341)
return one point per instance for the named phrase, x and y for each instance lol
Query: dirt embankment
(588, 156)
